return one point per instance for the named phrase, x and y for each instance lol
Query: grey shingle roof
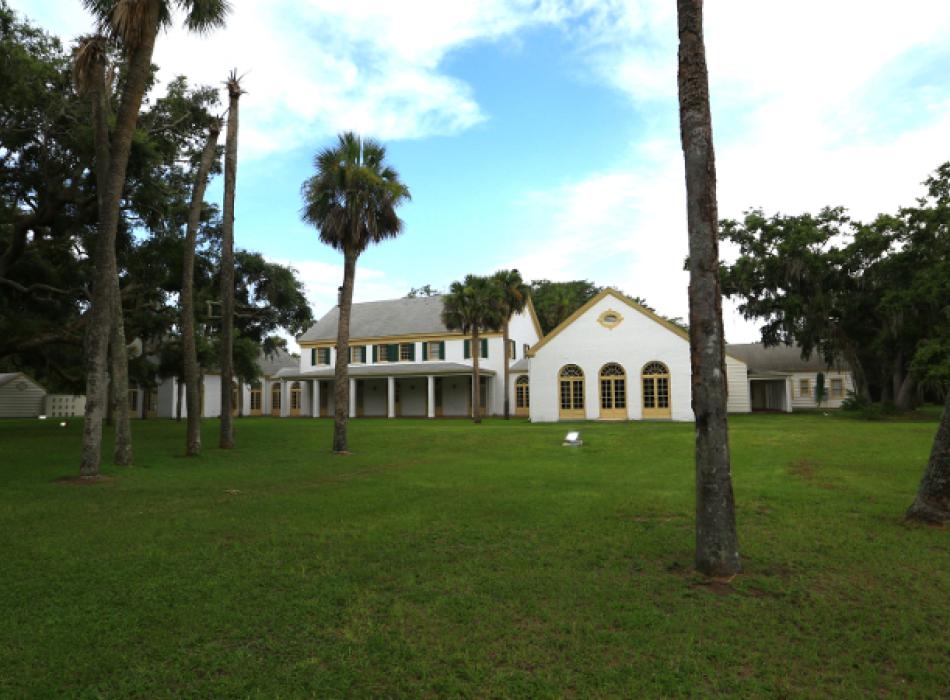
(778, 358)
(273, 363)
(379, 319)
(521, 365)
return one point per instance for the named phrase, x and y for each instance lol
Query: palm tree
(227, 263)
(514, 299)
(352, 201)
(189, 345)
(717, 546)
(472, 306)
(92, 78)
(135, 24)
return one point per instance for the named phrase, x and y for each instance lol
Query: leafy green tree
(352, 201)
(426, 290)
(717, 545)
(473, 306)
(514, 299)
(821, 392)
(555, 301)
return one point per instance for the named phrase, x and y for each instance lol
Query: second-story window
(434, 350)
(357, 354)
(407, 351)
(320, 356)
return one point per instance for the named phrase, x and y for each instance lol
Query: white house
(780, 380)
(257, 399)
(613, 359)
(20, 396)
(403, 362)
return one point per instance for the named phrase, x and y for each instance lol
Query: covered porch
(770, 391)
(419, 390)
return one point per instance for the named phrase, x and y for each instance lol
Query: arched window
(275, 399)
(522, 396)
(295, 399)
(613, 392)
(655, 378)
(571, 384)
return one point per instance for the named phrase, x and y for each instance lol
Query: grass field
(443, 559)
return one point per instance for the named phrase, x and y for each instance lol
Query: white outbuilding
(20, 396)
(614, 359)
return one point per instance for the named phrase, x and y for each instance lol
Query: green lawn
(443, 559)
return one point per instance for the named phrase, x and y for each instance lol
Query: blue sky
(543, 134)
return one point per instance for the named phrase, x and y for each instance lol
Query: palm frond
(89, 62)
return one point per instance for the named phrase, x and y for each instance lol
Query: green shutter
(392, 352)
(313, 356)
(412, 352)
(441, 349)
(468, 349)
(485, 347)
(363, 354)
(425, 352)
(375, 359)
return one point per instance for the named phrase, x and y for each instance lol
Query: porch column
(352, 398)
(788, 395)
(430, 401)
(316, 399)
(284, 399)
(390, 397)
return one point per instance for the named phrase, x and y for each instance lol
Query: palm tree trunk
(122, 453)
(717, 546)
(932, 504)
(227, 266)
(189, 345)
(101, 306)
(507, 370)
(476, 378)
(341, 379)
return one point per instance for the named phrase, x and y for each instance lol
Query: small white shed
(20, 396)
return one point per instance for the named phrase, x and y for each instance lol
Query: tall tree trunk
(122, 453)
(227, 265)
(341, 379)
(932, 504)
(476, 378)
(101, 303)
(189, 344)
(717, 546)
(505, 340)
(906, 398)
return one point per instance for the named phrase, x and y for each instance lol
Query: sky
(544, 134)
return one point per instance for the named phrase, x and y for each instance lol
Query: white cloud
(318, 67)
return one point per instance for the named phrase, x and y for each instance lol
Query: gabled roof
(273, 363)
(391, 318)
(7, 377)
(778, 358)
(609, 291)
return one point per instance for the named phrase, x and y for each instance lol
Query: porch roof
(385, 369)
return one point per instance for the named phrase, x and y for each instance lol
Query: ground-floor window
(133, 400)
(837, 388)
(571, 384)
(655, 377)
(275, 397)
(522, 393)
(295, 396)
(613, 391)
(256, 397)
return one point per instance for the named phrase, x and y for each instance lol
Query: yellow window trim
(610, 324)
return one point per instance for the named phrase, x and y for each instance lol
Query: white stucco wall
(633, 343)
